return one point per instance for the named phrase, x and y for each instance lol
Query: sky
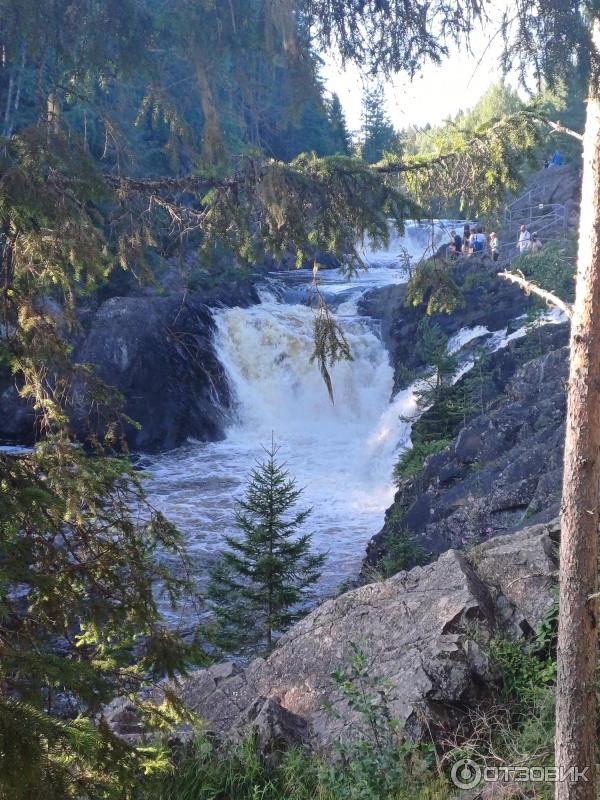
(435, 94)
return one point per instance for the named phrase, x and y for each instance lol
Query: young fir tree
(257, 588)
(433, 349)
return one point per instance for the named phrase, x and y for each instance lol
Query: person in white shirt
(477, 241)
(524, 237)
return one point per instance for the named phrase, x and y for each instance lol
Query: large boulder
(421, 630)
(158, 353)
(520, 572)
(413, 630)
(156, 349)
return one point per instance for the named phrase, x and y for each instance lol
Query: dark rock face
(17, 420)
(416, 629)
(490, 302)
(157, 351)
(502, 472)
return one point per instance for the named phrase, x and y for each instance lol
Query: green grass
(411, 461)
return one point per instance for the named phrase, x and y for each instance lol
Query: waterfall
(342, 454)
(419, 241)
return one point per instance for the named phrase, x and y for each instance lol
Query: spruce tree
(258, 587)
(341, 138)
(378, 133)
(443, 366)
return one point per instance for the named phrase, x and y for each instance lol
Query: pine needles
(331, 345)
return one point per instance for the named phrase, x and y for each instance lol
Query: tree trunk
(575, 744)
(9, 100)
(12, 120)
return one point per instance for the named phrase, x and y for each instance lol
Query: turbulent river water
(342, 454)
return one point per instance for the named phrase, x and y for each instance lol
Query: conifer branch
(390, 166)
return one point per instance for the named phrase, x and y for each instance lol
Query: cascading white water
(341, 454)
(419, 241)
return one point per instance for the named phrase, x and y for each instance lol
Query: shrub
(402, 551)
(552, 268)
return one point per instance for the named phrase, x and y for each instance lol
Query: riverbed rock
(490, 303)
(424, 631)
(158, 352)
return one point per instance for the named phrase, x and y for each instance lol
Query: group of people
(473, 241)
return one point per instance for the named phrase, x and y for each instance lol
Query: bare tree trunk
(9, 100)
(11, 123)
(575, 745)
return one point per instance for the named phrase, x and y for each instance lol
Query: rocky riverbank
(423, 630)
(503, 469)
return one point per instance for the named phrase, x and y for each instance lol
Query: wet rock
(157, 352)
(492, 303)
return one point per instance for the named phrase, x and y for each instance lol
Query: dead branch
(558, 128)
(531, 288)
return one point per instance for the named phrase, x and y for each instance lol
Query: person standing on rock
(524, 238)
(455, 246)
(494, 247)
(466, 237)
(535, 245)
